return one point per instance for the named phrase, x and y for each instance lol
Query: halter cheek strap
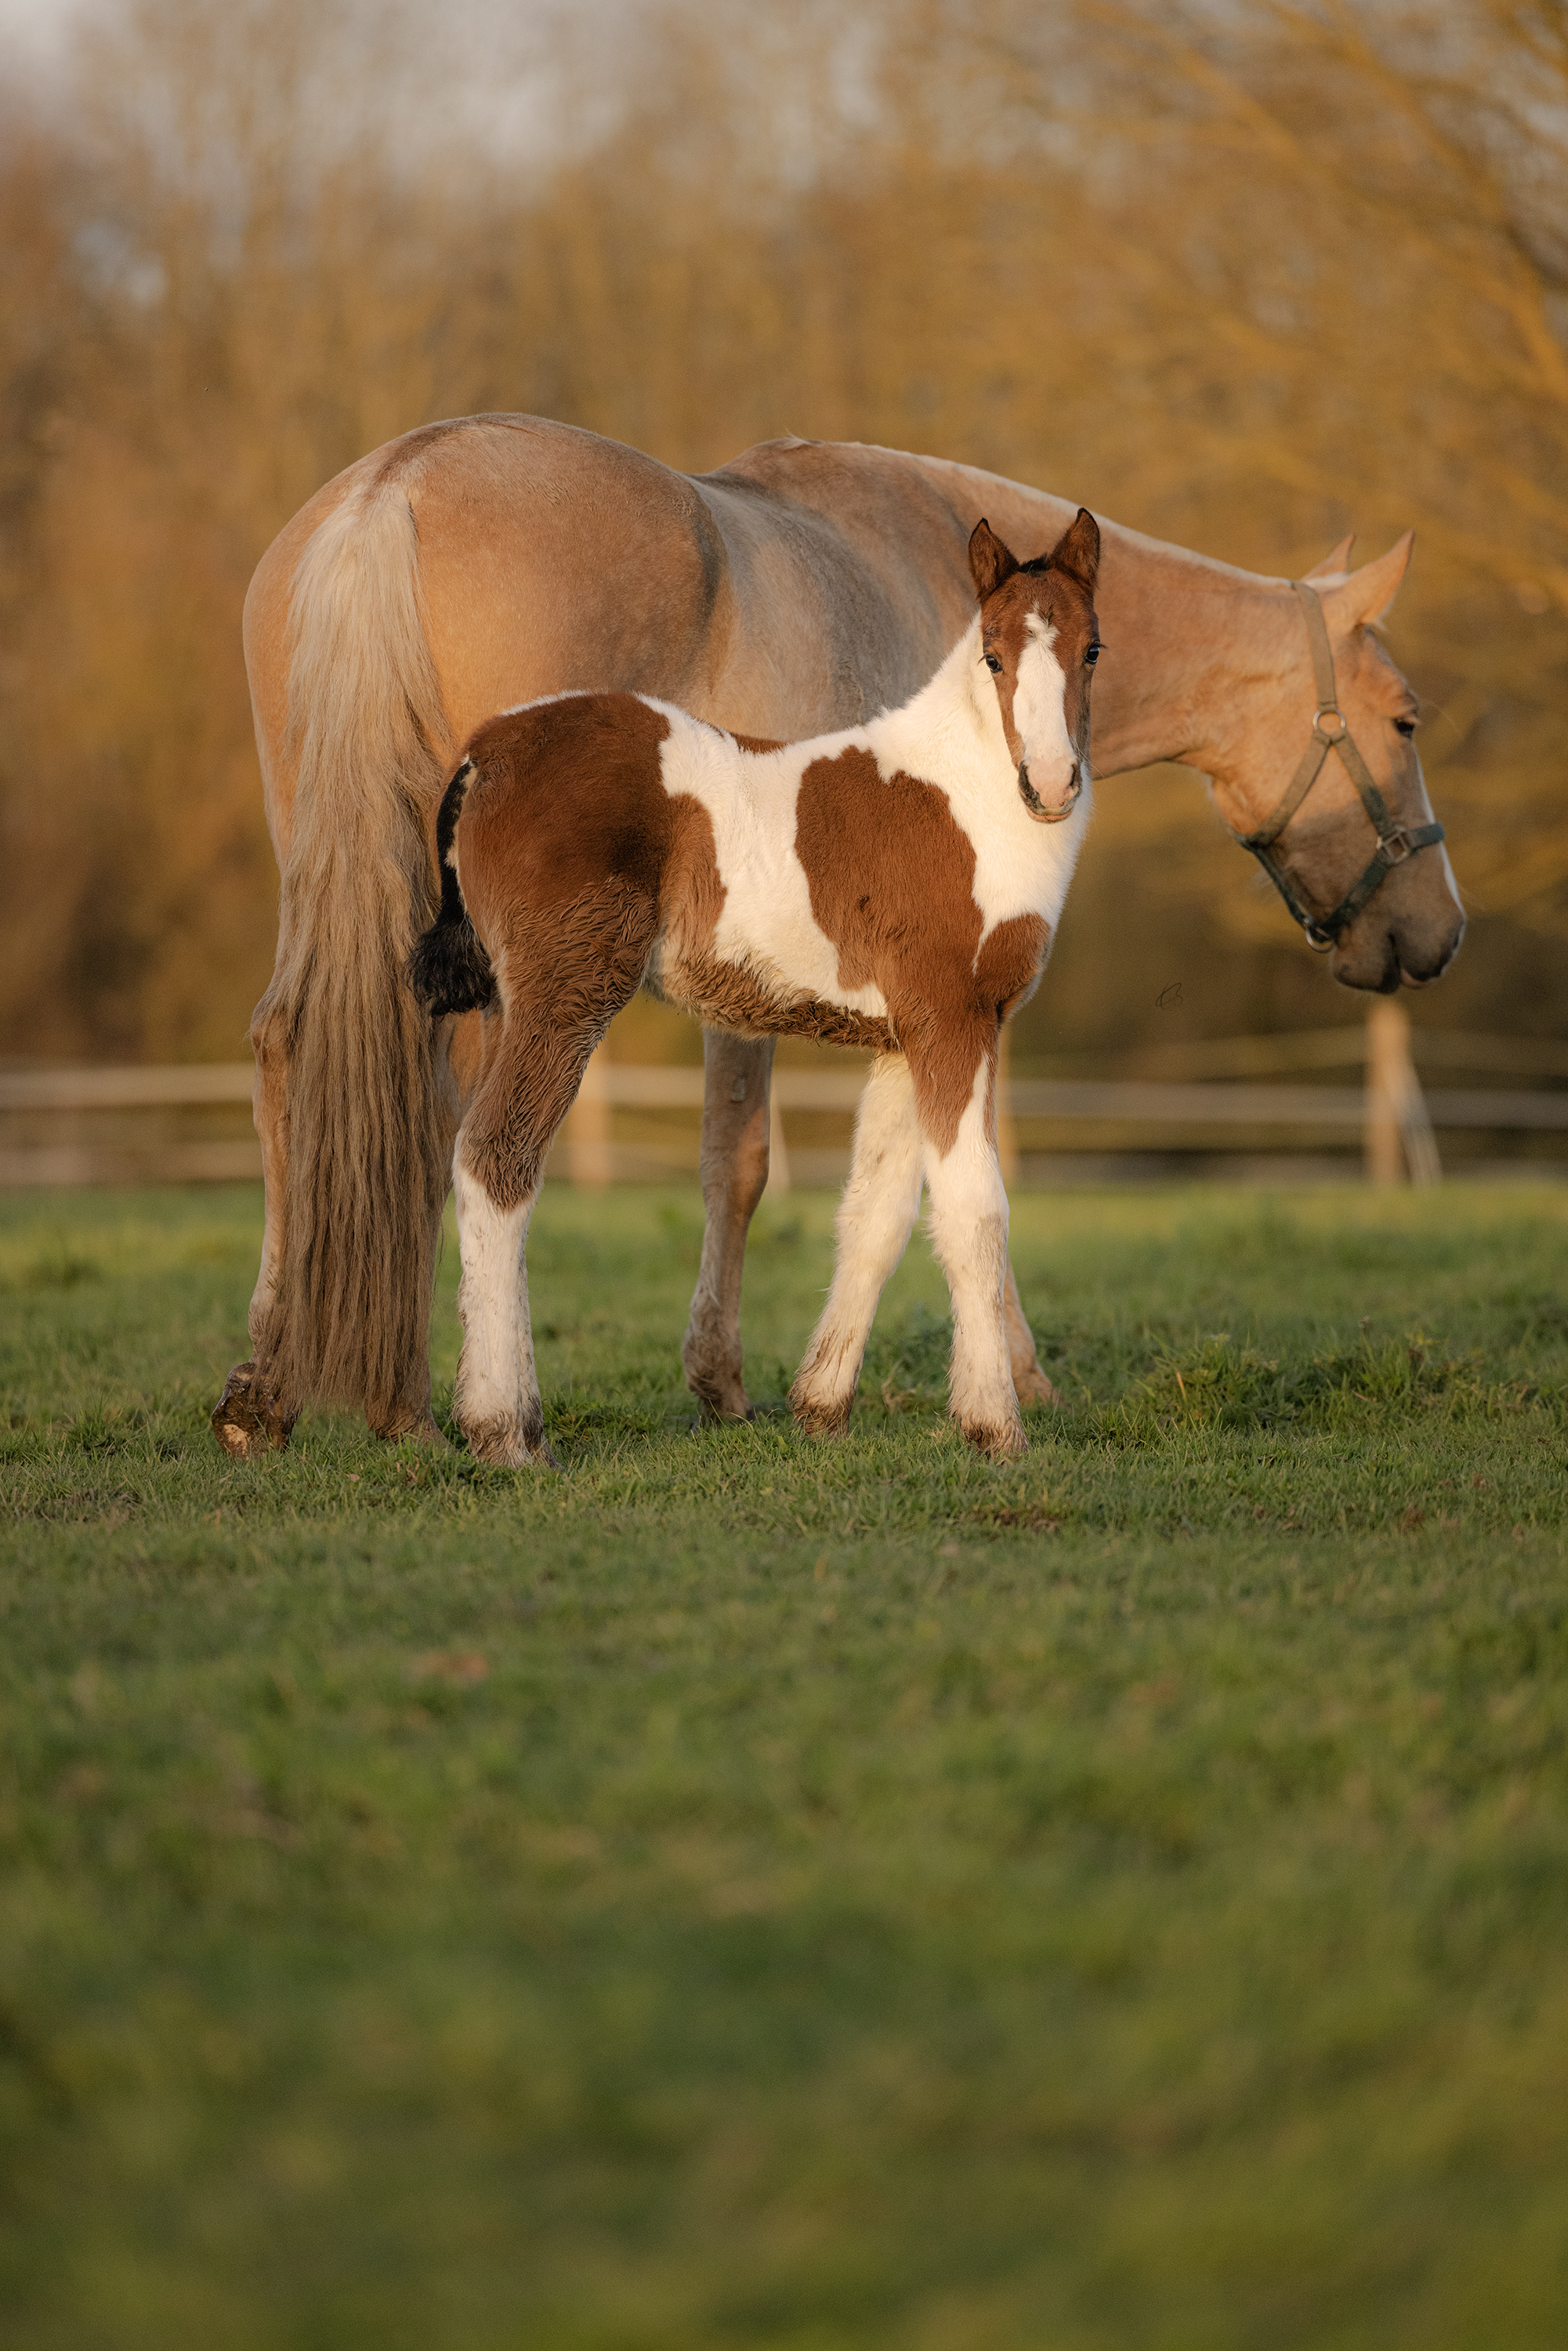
(1395, 842)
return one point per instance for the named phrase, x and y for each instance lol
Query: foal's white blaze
(1040, 719)
(496, 1390)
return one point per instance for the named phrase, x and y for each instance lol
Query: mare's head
(1040, 642)
(1408, 925)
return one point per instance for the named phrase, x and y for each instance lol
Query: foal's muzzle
(1036, 806)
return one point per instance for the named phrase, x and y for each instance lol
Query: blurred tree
(1246, 278)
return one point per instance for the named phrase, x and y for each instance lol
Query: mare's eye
(1092, 655)
(993, 664)
(1406, 727)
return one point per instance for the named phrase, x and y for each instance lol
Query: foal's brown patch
(731, 994)
(564, 841)
(892, 878)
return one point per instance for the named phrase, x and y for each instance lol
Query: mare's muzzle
(1036, 806)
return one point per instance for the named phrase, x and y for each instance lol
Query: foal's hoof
(245, 1420)
(1033, 1387)
(816, 1418)
(1002, 1441)
(502, 1445)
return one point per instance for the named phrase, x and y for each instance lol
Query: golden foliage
(1244, 278)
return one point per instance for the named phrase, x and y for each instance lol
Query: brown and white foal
(894, 886)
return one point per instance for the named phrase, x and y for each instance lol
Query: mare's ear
(1367, 594)
(1078, 549)
(1336, 561)
(991, 560)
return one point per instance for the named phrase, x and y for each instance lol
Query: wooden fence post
(1400, 1144)
(778, 1149)
(588, 1146)
(1007, 1124)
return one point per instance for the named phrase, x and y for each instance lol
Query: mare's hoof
(245, 1420)
(720, 1391)
(1033, 1387)
(722, 1399)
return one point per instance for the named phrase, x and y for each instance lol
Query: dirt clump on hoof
(245, 1418)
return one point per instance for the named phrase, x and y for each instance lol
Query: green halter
(1395, 842)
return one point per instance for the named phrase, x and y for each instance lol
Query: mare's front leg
(969, 1234)
(735, 1073)
(1028, 1380)
(881, 1202)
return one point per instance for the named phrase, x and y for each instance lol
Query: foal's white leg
(969, 1234)
(875, 1217)
(497, 1396)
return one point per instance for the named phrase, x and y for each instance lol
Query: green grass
(747, 1893)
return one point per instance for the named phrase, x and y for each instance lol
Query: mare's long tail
(449, 969)
(370, 1100)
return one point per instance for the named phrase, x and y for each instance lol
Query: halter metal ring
(1399, 835)
(1329, 710)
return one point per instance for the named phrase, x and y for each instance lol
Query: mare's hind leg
(881, 1202)
(969, 1234)
(736, 1071)
(245, 1420)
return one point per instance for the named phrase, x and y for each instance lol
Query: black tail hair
(449, 969)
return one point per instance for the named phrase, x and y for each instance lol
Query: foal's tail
(370, 1100)
(449, 969)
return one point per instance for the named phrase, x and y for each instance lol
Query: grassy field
(750, 1894)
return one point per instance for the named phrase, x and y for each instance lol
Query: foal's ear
(1078, 549)
(991, 560)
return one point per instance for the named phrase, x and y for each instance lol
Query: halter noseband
(1395, 842)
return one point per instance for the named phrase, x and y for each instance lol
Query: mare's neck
(1189, 639)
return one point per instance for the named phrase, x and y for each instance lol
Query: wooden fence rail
(56, 1123)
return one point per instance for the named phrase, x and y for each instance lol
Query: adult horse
(479, 563)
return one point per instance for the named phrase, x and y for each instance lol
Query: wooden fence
(64, 1125)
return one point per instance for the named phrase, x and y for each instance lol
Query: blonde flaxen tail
(371, 1105)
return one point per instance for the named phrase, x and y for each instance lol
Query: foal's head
(1040, 642)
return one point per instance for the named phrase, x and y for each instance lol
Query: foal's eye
(1406, 727)
(1092, 655)
(993, 664)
